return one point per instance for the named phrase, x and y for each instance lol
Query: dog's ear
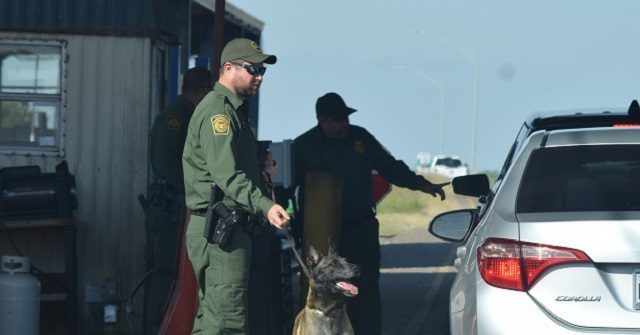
(332, 248)
(313, 256)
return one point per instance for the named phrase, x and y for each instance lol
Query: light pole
(442, 88)
(473, 58)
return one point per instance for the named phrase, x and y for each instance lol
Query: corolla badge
(580, 298)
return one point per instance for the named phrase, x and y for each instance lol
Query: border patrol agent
(350, 151)
(221, 148)
(166, 193)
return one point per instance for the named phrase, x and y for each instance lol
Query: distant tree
(14, 114)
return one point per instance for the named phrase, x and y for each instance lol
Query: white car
(554, 247)
(448, 166)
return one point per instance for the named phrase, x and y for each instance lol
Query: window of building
(32, 102)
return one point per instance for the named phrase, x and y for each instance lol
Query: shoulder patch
(359, 146)
(220, 124)
(173, 123)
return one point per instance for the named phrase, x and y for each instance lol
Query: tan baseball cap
(247, 50)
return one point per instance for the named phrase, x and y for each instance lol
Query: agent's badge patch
(220, 124)
(359, 147)
(173, 123)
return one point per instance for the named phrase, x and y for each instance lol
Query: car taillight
(626, 125)
(516, 265)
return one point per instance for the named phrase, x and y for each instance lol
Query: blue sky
(396, 61)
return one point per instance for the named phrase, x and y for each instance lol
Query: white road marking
(423, 269)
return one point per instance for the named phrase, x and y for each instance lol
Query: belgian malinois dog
(325, 312)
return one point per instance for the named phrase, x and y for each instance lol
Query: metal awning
(234, 14)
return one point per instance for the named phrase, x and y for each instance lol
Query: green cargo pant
(223, 278)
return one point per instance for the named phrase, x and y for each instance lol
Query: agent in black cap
(333, 115)
(221, 148)
(335, 146)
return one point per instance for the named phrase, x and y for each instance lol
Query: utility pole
(218, 39)
(473, 58)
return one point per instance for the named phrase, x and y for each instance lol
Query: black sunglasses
(253, 69)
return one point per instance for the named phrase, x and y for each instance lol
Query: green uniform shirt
(168, 134)
(221, 148)
(353, 158)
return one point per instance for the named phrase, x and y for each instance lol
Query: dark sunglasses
(253, 69)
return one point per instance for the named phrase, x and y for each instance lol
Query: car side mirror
(452, 226)
(474, 185)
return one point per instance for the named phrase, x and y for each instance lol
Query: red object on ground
(183, 304)
(380, 188)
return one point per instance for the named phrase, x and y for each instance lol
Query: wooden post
(218, 39)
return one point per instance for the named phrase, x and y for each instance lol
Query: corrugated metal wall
(76, 15)
(107, 121)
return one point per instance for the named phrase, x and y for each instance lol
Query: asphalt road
(416, 276)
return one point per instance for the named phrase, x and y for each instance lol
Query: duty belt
(249, 223)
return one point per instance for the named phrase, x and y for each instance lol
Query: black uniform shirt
(353, 158)
(167, 137)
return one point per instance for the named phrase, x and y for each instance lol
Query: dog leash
(295, 252)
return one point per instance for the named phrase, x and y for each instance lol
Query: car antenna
(634, 109)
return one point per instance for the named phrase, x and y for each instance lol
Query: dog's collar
(328, 310)
(317, 311)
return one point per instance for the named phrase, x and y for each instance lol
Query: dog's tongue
(352, 289)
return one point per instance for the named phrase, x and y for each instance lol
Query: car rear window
(581, 178)
(449, 162)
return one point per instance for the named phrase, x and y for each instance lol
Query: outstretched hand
(277, 216)
(436, 189)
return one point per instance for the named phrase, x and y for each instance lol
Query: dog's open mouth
(346, 288)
